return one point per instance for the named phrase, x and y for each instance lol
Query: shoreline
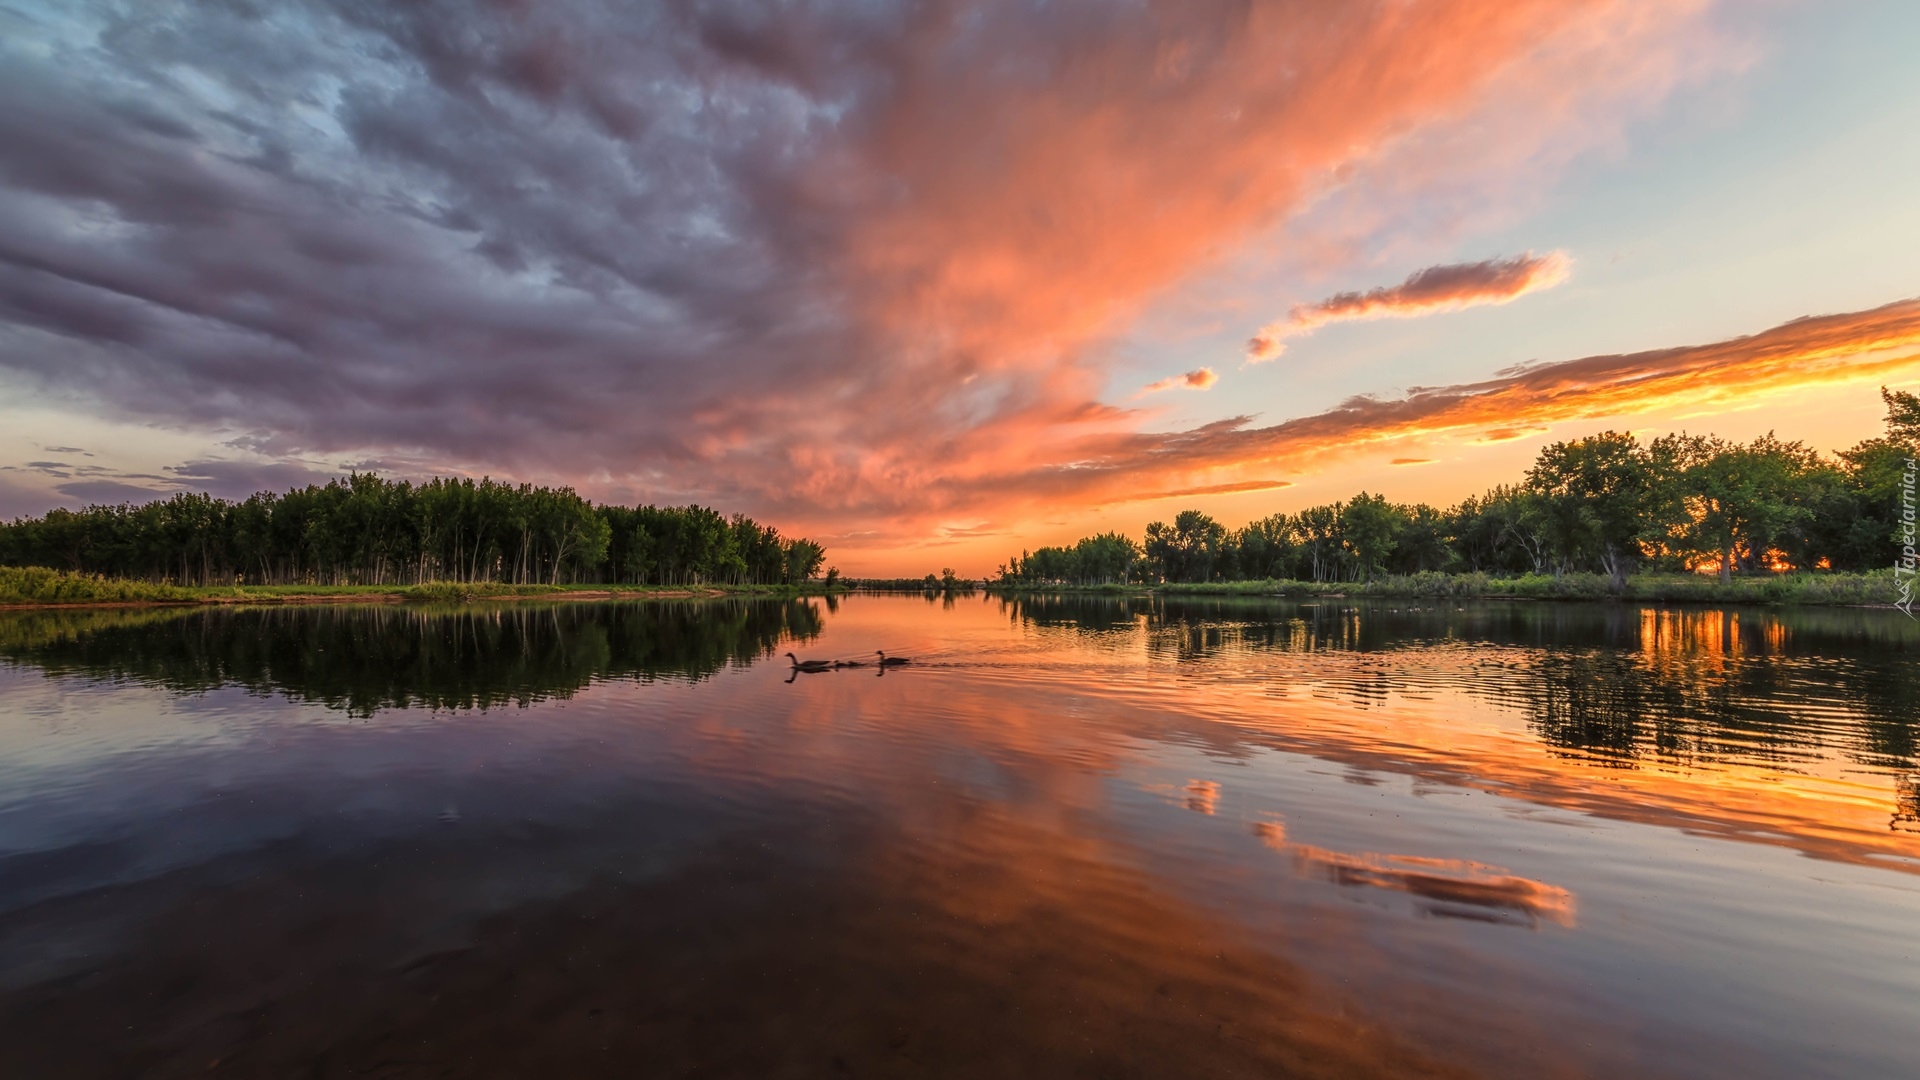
(1849, 590)
(403, 595)
(1873, 591)
(1477, 598)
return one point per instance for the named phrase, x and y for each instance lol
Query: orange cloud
(1425, 292)
(1508, 434)
(986, 234)
(1882, 344)
(1199, 379)
(853, 269)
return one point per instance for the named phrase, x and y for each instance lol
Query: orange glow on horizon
(1763, 382)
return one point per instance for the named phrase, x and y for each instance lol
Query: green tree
(1739, 499)
(1103, 559)
(1903, 417)
(1425, 539)
(1856, 519)
(1602, 495)
(1268, 548)
(803, 559)
(1318, 529)
(366, 529)
(1189, 549)
(1369, 532)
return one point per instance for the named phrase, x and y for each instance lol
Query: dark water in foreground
(1074, 838)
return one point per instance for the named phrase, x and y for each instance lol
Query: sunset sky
(934, 282)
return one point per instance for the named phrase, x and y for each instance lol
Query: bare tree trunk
(1616, 569)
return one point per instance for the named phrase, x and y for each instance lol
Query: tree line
(368, 530)
(1608, 503)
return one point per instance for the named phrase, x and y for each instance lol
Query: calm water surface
(1073, 838)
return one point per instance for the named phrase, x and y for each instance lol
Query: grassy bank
(1873, 588)
(496, 590)
(35, 586)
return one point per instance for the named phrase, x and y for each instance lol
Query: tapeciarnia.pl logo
(1903, 569)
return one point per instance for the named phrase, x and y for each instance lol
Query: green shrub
(1876, 587)
(39, 585)
(473, 590)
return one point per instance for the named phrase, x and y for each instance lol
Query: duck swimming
(892, 661)
(808, 665)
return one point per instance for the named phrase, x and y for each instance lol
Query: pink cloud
(853, 269)
(1232, 456)
(1198, 379)
(1425, 292)
(1880, 344)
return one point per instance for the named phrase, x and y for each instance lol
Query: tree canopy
(1607, 503)
(368, 530)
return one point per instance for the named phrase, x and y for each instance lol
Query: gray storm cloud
(836, 258)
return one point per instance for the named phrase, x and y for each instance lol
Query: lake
(1115, 837)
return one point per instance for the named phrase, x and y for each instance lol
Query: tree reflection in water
(1613, 683)
(363, 658)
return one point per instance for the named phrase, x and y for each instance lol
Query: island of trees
(1608, 504)
(368, 530)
